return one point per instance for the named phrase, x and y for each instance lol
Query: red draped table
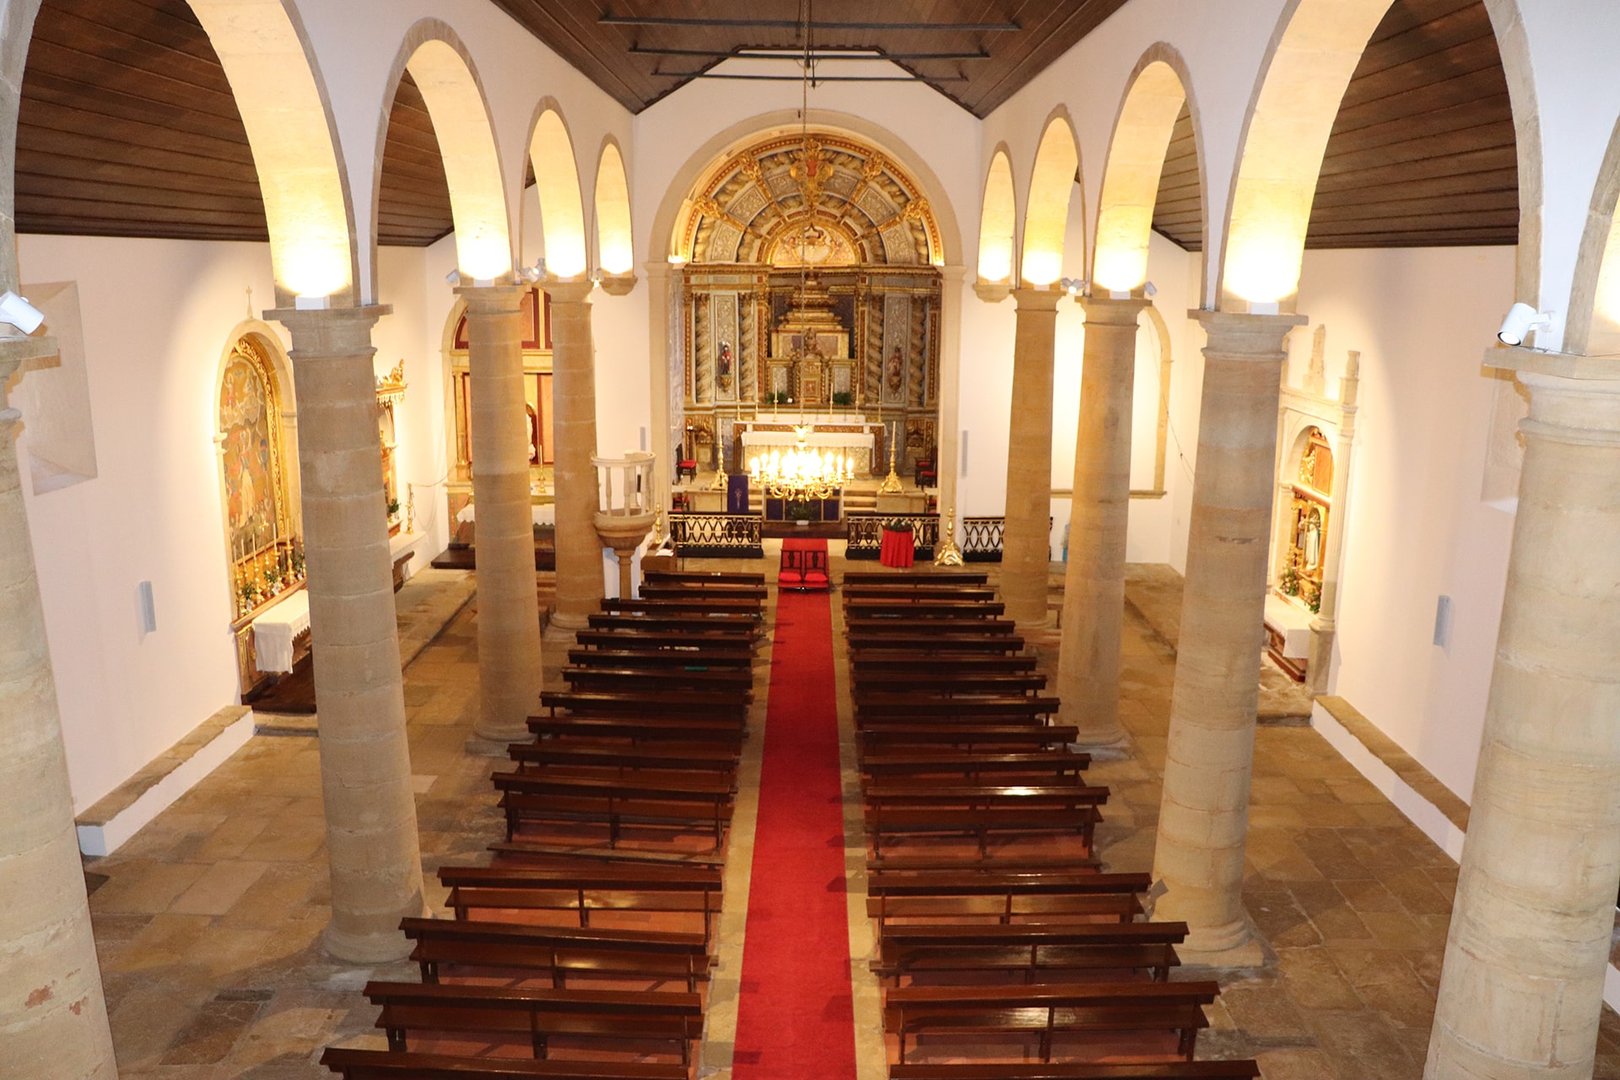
(898, 549)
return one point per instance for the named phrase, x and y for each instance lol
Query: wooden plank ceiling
(127, 126)
(1422, 153)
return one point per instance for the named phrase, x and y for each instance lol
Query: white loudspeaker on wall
(1442, 622)
(148, 608)
(642, 444)
(964, 452)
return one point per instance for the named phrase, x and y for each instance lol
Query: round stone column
(1521, 992)
(53, 1018)
(371, 838)
(509, 676)
(1094, 582)
(1204, 814)
(1026, 545)
(579, 550)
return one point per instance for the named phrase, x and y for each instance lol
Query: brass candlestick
(946, 553)
(891, 484)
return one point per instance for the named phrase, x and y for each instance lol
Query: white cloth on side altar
(544, 514)
(275, 630)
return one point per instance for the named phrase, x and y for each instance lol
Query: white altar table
(856, 444)
(543, 513)
(275, 630)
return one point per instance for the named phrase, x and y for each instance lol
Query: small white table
(275, 630)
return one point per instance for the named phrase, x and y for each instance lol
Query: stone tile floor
(208, 923)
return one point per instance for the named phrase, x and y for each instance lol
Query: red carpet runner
(795, 1019)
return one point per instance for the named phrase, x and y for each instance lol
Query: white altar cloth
(274, 631)
(1293, 623)
(544, 514)
(857, 444)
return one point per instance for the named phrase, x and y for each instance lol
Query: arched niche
(1052, 183)
(998, 227)
(556, 183)
(615, 250)
(538, 414)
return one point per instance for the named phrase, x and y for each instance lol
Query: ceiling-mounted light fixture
(17, 311)
(1521, 320)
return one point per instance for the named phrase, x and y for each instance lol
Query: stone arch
(1313, 54)
(998, 221)
(1158, 90)
(276, 82)
(556, 183)
(673, 210)
(1593, 323)
(16, 26)
(443, 70)
(1052, 181)
(615, 239)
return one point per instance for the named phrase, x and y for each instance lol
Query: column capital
(1040, 300)
(21, 353)
(1239, 336)
(1111, 311)
(504, 299)
(570, 291)
(339, 331)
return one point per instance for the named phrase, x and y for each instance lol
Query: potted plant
(843, 398)
(799, 511)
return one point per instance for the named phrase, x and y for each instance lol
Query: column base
(380, 948)
(1105, 747)
(1235, 946)
(493, 746)
(566, 620)
(559, 630)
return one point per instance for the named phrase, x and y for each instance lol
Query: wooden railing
(866, 533)
(717, 536)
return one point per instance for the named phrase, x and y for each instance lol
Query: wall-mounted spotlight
(1150, 290)
(453, 279)
(534, 273)
(18, 312)
(1073, 286)
(1521, 319)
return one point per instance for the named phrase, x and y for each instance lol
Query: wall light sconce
(534, 273)
(1521, 320)
(17, 311)
(453, 279)
(1073, 286)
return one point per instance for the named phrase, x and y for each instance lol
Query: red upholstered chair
(790, 572)
(815, 575)
(685, 467)
(925, 471)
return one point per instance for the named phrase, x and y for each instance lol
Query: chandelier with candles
(801, 473)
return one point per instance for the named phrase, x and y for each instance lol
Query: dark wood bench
(931, 645)
(558, 952)
(887, 889)
(1246, 1069)
(1048, 765)
(606, 1016)
(963, 736)
(680, 801)
(929, 591)
(618, 760)
(1038, 951)
(1045, 909)
(983, 811)
(706, 703)
(705, 577)
(664, 659)
(694, 891)
(945, 682)
(607, 678)
(532, 853)
(1039, 864)
(738, 627)
(695, 602)
(875, 661)
(918, 578)
(883, 628)
(722, 643)
(931, 608)
(355, 1064)
(923, 706)
(1052, 1010)
(728, 732)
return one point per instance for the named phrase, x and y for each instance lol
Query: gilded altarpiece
(811, 289)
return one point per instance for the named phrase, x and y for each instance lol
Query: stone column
(1094, 584)
(371, 838)
(53, 1018)
(1026, 546)
(573, 360)
(509, 676)
(1204, 815)
(1521, 992)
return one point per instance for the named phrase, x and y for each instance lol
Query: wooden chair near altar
(804, 565)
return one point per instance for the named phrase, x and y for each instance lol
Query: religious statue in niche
(894, 371)
(1302, 573)
(534, 434)
(722, 368)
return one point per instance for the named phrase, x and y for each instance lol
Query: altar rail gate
(866, 533)
(717, 536)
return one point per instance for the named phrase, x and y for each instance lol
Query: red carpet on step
(795, 1018)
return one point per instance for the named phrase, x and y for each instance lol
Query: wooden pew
(929, 591)
(876, 661)
(696, 603)
(915, 608)
(708, 703)
(671, 679)
(919, 579)
(558, 952)
(727, 590)
(609, 760)
(981, 811)
(880, 627)
(664, 659)
(1050, 766)
(681, 801)
(890, 893)
(672, 889)
(891, 708)
(1038, 951)
(1247, 1069)
(944, 681)
(706, 577)
(739, 627)
(722, 731)
(720, 643)
(531, 853)
(607, 1016)
(975, 864)
(355, 1064)
(935, 644)
(963, 736)
(1051, 1010)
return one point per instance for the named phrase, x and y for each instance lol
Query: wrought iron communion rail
(717, 536)
(866, 533)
